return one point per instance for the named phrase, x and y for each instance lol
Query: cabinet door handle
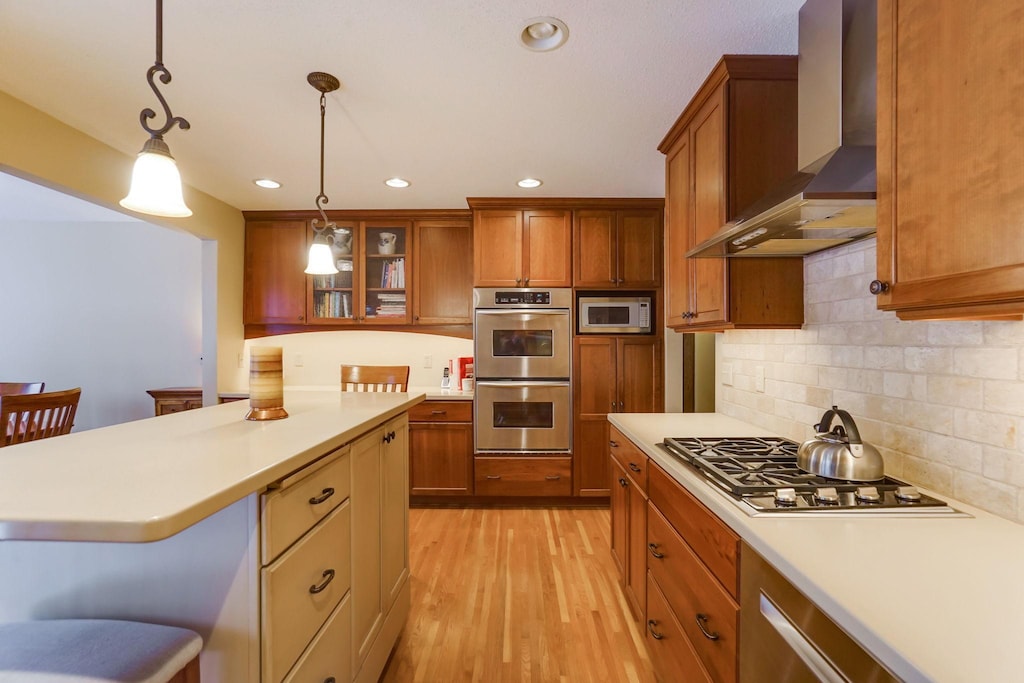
(416, 317)
(623, 483)
(701, 620)
(387, 438)
(328, 577)
(613, 405)
(653, 547)
(553, 477)
(324, 495)
(393, 435)
(492, 476)
(438, 412)
(651, 623)
(301, 317)
(614, 444)
(330, 679)
(526, 281)
(878, 287)
(634, 467)
(519, 280)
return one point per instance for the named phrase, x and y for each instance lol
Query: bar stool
(97, 651)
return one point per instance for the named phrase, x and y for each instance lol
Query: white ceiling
(437, 91)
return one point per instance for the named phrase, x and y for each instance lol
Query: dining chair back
(8, 388)
(28, 417)
(392, 378)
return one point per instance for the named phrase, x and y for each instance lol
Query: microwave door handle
(802, 647)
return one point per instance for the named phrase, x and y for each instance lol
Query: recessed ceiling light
(543, 34)
(267, 183)
(397, 182)
(529, 183)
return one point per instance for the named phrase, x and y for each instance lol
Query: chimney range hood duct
(831, 201)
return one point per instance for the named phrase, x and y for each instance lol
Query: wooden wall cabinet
(441, 448)
(617, 248)
(275, 286)
(732, 144)
(950, 159)
(442, 277)
(517, 248)
(612, 374)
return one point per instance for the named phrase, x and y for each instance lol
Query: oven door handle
(796, 640)
(534, 383)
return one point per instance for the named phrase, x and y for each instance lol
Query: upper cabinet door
(950, 158)
(275, 258)
(443, 289)
(498, 248)
(594, 259)
(547, 245)
(678, 221)
(639, 247)
(708, 140)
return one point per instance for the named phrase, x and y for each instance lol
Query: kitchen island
(166, 520)
(931, 598)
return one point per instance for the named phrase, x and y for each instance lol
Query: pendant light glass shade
(156, 183)
(321, 260)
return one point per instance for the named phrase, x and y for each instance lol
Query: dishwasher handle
(798, 642)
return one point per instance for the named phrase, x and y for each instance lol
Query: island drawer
(301, 588)
(632, 459)
(672, 653)
(710, 539)
(696, 598)
(302, 500)
(442, 411)
(329, 656)
(523, 476)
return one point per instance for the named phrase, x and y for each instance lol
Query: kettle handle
(849, 425)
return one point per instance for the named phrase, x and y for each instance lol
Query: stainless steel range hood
(831, 201)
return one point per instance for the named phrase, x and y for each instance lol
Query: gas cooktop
(761, 472)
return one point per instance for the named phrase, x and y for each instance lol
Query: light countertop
(149, 479)
(432, 392)
(934, 599)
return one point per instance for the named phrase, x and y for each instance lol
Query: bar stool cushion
(94, 651)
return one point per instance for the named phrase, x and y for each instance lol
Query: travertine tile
(932, 475)
(955, 391)
(906, 440)
(848, 356)
(928, 417)
(794, 353)
(1004, 397)
(905, 385)
(1004, 333)
(989, 363)
(993, 496)
(990, 428)
(883, 357)
(960, 333)
(928, 359)
(1004, 465)
(957, 453)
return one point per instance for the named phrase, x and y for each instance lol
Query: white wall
(321, 353)
(112, 307)
(943, 401)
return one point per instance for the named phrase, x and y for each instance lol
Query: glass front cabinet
(373, 269)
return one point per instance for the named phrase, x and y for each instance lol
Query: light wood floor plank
(516, 596)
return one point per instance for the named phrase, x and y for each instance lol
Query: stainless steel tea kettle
(839, 453)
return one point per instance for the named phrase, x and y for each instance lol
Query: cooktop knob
(908, 494)
(868, 494)
(785, 497)
(827, 495)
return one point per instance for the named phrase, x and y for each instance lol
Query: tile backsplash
(942, 401)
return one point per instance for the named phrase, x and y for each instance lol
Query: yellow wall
(40, 148)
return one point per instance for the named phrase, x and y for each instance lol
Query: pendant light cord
(322, 198)
(165, 78)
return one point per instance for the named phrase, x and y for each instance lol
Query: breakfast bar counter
(933, 598)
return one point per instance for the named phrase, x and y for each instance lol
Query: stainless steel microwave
(615, 315)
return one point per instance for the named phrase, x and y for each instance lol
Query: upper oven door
(522, 344)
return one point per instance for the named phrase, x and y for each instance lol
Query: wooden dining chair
(28, 417)
(392, 378)
(9, 388)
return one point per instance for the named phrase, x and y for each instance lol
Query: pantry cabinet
(617, 248)
(950, 238)
(380, 284)
(733, 143)
(522, 248)
(612, 374)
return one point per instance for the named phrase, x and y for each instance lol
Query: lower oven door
(523, 417)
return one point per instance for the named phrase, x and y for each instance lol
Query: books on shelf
(392, 274)
(390, 305)
(332, 305)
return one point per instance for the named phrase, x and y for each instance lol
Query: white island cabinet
(283, 543)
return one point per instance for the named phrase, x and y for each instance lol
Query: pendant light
(321, 260)
(156, 183)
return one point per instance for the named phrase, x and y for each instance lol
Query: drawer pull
(623, 483)
(328, 577)
(324, 495)
(614, 444)
(492, 476)
(330, 679)
(438, 412)
(553, 477)
(387, 438)
(651, 623)
(653, 547)
(634, 467)
(701, 620)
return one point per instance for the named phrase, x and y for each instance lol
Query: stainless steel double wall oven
(522, 348)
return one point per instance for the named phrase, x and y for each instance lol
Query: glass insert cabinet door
(370, 285)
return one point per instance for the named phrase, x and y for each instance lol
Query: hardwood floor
(510, 595)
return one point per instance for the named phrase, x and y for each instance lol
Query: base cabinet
(629, 519)
(441, 449)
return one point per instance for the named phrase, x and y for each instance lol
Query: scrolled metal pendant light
(156, 183)
(321, 261)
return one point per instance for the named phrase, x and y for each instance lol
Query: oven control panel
(514, 297)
